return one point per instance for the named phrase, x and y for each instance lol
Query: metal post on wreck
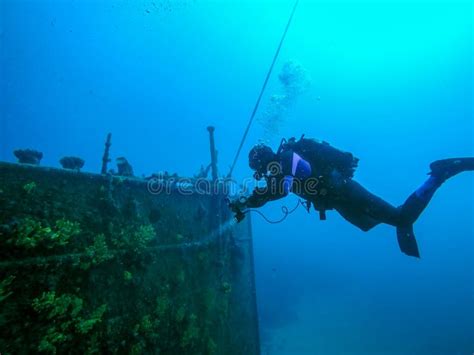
(212, 144)
(216, 214)
(215, 206)
(105, 157)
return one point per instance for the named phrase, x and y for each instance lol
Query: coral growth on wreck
(72, 163)
(86, 269)
(28, 156)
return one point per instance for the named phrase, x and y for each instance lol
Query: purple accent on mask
(287, 182)
(301, 169)
(294, 165)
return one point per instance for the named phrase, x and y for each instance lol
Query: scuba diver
(323, 176)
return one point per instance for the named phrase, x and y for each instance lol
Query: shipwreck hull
(96, 263)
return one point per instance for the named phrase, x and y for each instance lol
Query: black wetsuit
(336, 189)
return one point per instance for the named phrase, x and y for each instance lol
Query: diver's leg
(441, 170)
(379, 210)
(418, 201)
(354, 198)
(356, 217)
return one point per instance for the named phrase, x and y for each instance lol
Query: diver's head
(260, 157)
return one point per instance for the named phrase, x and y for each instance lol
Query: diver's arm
(261, 196)
(276, 189)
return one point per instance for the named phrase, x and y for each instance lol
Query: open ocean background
(390, 81)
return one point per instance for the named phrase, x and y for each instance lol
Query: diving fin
(446, 168)
(407, 241)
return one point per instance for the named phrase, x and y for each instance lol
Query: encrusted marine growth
(30, 233)
(104, 267)
(72, 163)
(123, 167)
(65, 320)
(28, 156)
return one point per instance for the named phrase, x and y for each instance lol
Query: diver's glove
(238, 206)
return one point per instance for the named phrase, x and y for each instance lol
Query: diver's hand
(238, 204)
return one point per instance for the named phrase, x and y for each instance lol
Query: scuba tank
(323, 157)
(325, 160)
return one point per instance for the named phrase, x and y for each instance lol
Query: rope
(285, 210)
(257, 104)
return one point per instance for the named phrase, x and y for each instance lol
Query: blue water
(390, 81)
